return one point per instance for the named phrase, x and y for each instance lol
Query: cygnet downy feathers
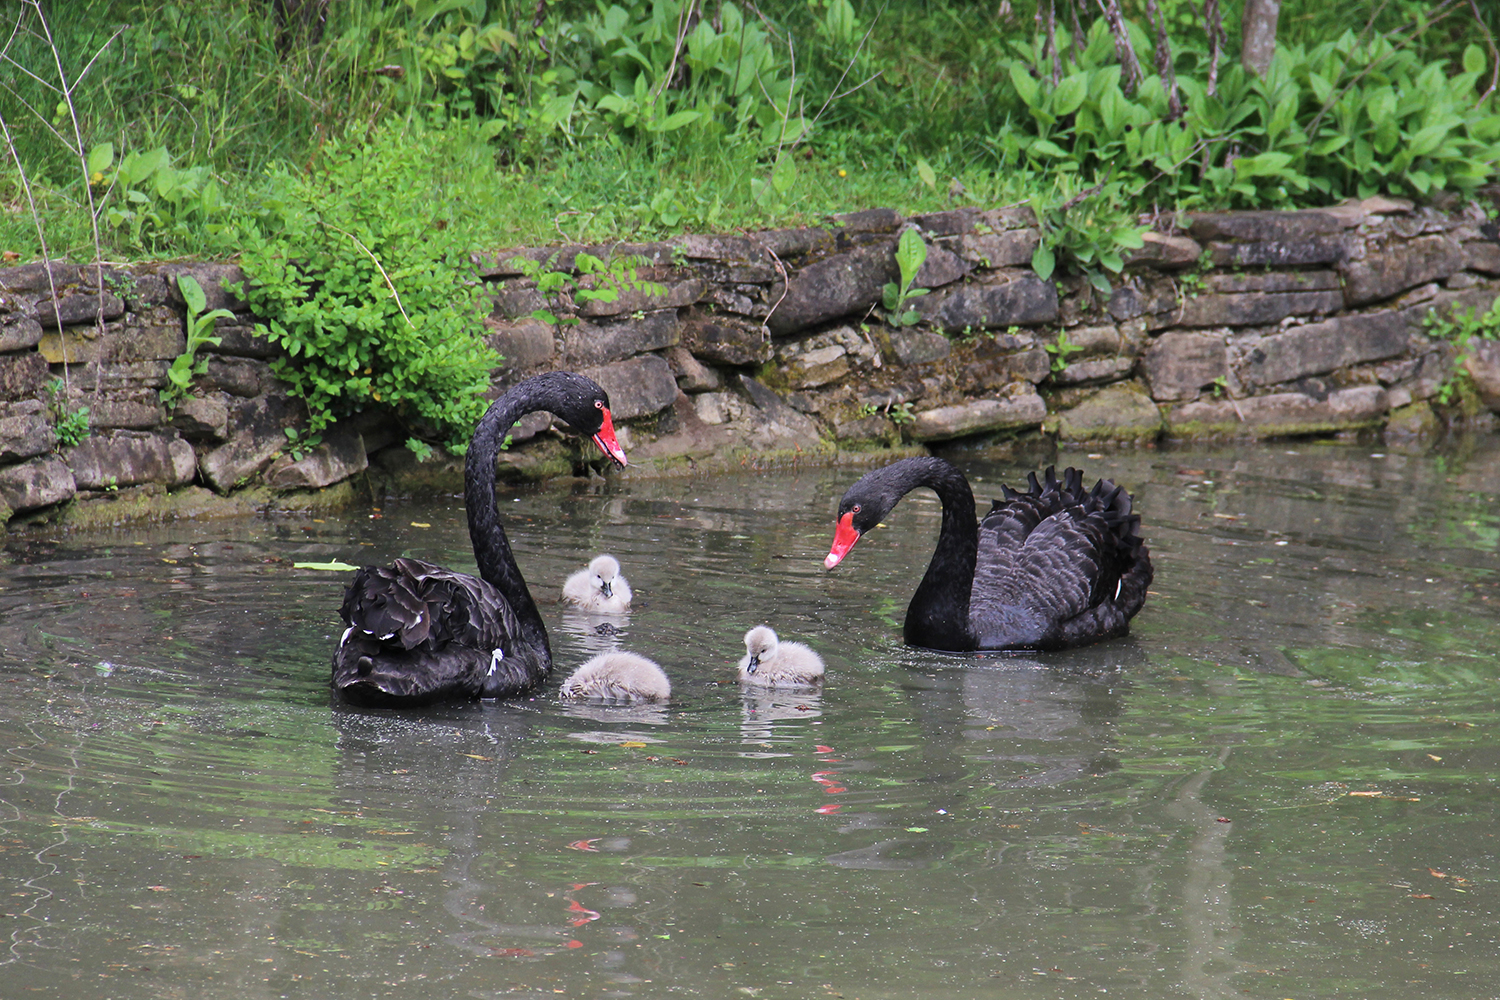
(620, 677)
(600, 588)
(770, 662)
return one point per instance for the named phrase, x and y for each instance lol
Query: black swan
(418, 632)
(600, 589)
(617, 677)
(1054, 567)
(769, 662)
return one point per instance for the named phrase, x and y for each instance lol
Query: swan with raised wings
(1049, 568)
(418, 632)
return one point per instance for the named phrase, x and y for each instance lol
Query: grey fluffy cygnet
(620, 677)
(770, 662)
(600, 588)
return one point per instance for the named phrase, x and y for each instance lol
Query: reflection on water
(1282, 784)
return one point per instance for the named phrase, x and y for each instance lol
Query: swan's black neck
(938, 616)
(497, 564)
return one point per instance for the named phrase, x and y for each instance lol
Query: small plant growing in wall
(1192, 282)
(1459, 328)
(911, 254)
(612, 278)
(900, 414)
(1061, 350)
(70, 426)
(299, 443)
(200, 330)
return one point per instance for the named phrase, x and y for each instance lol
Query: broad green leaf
(673, 122)
(1332, 144)
(1069, 95)
(1474, 60)
(1114, 111)
(926, 174)
(328, 567)
(784, 174)
(192, 293)
(1025, 84)
(911, 253)
(1043, 261)
(1321, 88)
(1426, 140)
(100, 158)
(1047, 148)
(1281, 117)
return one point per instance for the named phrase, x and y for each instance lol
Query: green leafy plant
(299, 443)
(70, 426)
(151, 202)
(900, 414)
(372, 298)
(1460, 328)
(421, 449)
(911, 253)
(596, 280)
(1061, 350)
(1090, 229)
(200, 328)
(1346, 117)
(726, 77)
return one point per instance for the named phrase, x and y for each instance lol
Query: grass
(904, 99)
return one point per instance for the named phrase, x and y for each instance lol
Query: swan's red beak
(844, 537)
(605, 439)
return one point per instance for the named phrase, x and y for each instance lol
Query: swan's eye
(854, 509)
(598, 404)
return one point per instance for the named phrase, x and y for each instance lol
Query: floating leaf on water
(420, 524)
(476, 756)
(329, 567)
(632, 743)
(916, 829)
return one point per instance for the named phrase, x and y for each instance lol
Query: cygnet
(600, 588)
(620, 677)
(772, 663)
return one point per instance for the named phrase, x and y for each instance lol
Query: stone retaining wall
(1246, 324)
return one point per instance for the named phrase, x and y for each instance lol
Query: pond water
(1282, 784)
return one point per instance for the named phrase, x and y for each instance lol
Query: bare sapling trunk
(1130, 67)
(1164, 61)
(1259, 34)
(1213, 27)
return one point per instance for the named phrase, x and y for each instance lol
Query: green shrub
(1345, 118)
(369, 290)
(735, 80)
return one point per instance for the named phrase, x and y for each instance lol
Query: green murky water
(1284, 784)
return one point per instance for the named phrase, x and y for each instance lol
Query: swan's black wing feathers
(420, 633)
(1058, 565)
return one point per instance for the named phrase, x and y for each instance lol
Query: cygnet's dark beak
(754, 664)
(606, 589)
